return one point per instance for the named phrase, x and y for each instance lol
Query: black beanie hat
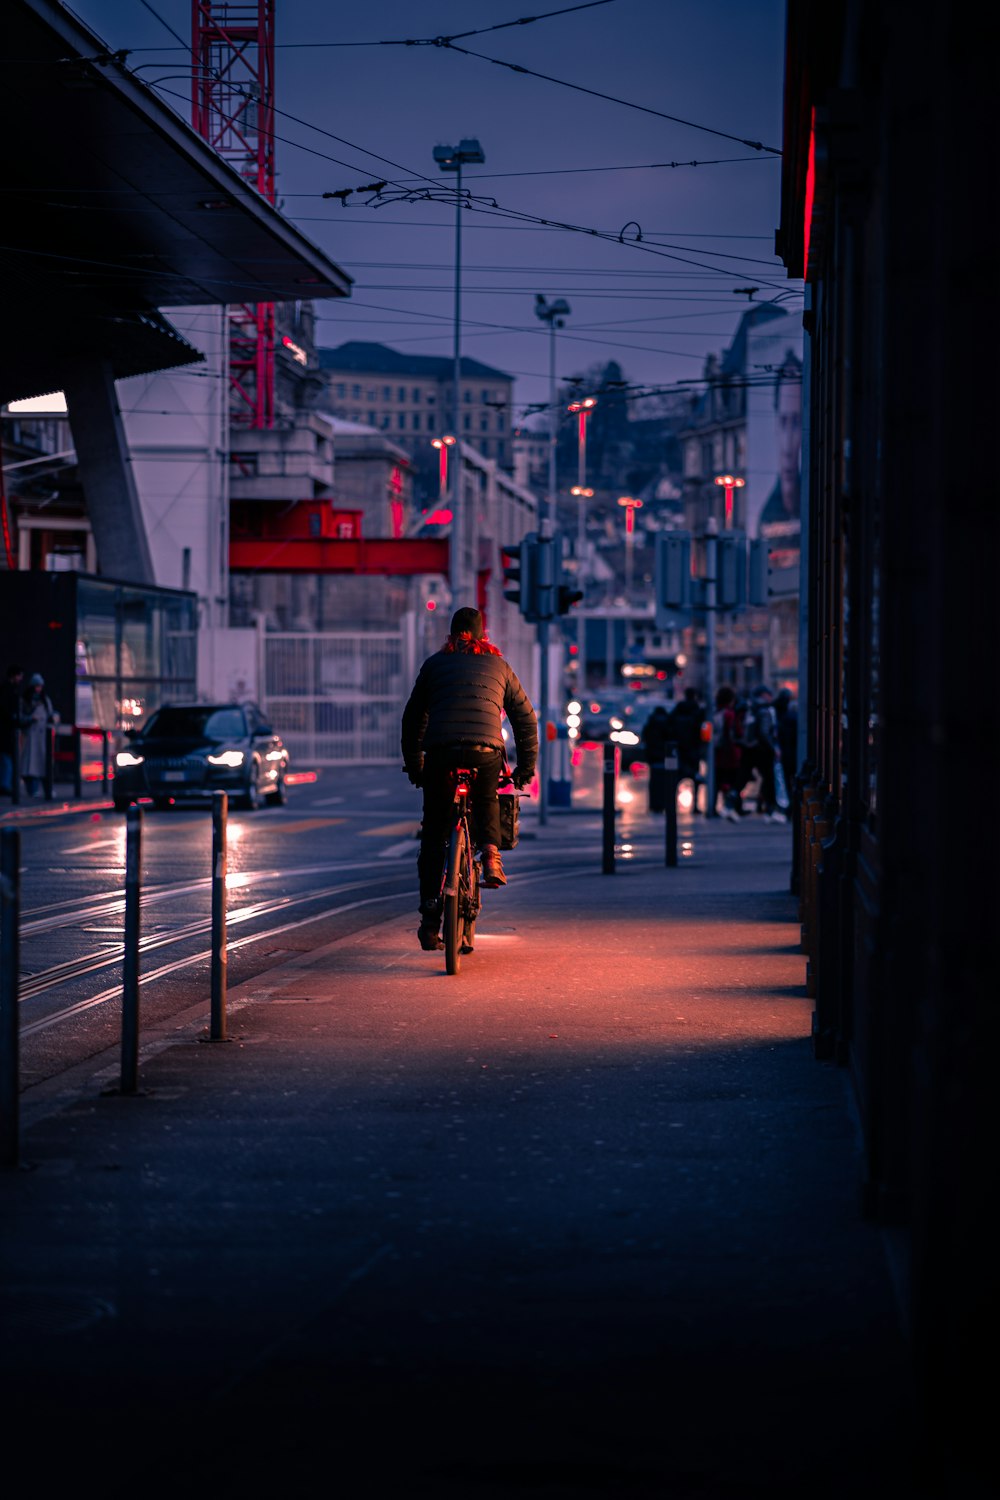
(467, 621)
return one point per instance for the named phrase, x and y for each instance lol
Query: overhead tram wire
(415, 42)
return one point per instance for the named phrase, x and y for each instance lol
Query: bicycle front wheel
(453, 896)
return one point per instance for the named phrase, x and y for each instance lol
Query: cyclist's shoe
(430, 938)
(493, 874)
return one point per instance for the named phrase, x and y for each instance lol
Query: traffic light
(520, 575)
(731, 570)
(759, 559)
(566, 597)
(673, 575)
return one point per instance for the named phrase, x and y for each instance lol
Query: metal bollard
(77, 763)
(50, 761)
(220, 955)
(10, 1022)
(670, 770)
(15, 769)
(130, 962)
(608, 859)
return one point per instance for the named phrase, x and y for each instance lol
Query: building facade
(888, 146)
(410, 397)
(731, 429)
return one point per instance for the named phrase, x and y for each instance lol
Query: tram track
(45, 982)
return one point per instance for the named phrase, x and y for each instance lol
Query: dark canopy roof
(114, 207)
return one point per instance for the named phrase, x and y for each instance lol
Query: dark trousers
(763, 762)
(439, 795)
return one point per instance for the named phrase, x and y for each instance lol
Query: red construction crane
(232, 98)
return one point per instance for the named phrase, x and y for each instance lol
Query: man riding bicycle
(452, 719)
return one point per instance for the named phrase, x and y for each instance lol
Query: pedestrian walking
(685, 722)
(39, 716)
(761, 751)
(786, 712)
(11, 724)
(453, 719)
(727, 740)
(656, 735)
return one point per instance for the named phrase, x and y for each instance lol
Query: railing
(88, 759)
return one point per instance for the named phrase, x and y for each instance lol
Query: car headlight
(126, 758)
(227, 758)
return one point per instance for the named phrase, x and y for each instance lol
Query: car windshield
(196, 723)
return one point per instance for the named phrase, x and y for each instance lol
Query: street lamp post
(555, 314)
(729, 482)
(452, 159)
(443, 444)
(582, 409)
(631, 506)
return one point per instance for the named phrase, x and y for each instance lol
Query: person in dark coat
(453, 718)
(685, 722)
(787, 713)
(656, 735)
(38, 716)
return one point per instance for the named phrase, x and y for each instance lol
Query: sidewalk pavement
(582, 1220)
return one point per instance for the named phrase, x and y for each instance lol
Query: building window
(387, 393)
(416, 393)
(500, 422)
(484, 424)
(431, 422)
(706, 459)
(466, 395)
(401, 420)
(385, 420)
(340, 389)
(371, 419)
(466, 422)
(401, 393)
(484, 396)
(416, 421)
(431, 398)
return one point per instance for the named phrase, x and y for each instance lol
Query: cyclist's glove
(521, 779)
(415, 772)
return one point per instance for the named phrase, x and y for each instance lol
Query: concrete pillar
(106, 473)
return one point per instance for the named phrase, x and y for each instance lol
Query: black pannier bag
(510, 816)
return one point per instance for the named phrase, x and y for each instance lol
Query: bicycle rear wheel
(473, 902)
(453, 899)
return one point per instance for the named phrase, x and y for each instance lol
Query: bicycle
(461, 900)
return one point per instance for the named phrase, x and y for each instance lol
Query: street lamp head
(451, 158)
(442, 441)
(582, 405)
(730, 481)
(578, 489)
(551, 312)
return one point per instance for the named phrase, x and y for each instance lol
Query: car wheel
(279, 796)
(251, 797)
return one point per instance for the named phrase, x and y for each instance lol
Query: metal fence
(336, 697)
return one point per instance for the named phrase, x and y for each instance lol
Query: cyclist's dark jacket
(459, 698)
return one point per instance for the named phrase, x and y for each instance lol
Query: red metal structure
(232, 99)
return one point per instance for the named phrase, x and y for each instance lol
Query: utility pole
(555, 314)
(711, 599)
(452, 159)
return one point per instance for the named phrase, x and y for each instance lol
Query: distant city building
(731, 430)
(410, 397)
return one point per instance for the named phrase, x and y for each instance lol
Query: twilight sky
(366, 111)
